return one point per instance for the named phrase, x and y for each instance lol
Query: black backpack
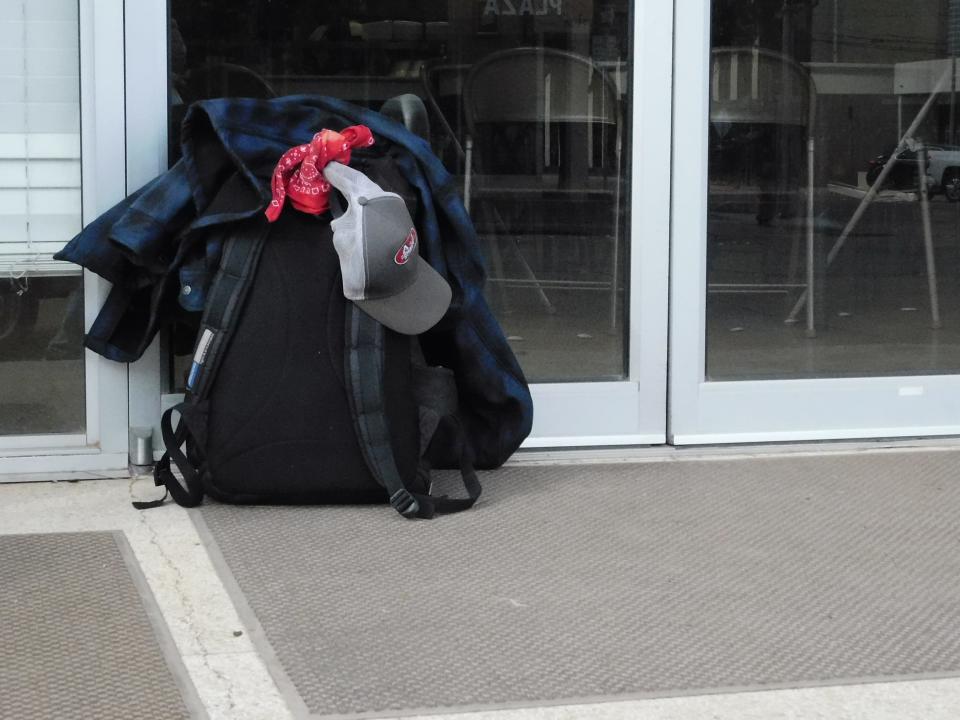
(297, 396)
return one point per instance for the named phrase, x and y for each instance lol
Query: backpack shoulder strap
(225, 299)
(364, 379)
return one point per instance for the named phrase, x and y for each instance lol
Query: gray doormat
(80, 635)
(585, 583)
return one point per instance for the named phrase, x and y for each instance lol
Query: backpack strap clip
(405, 503)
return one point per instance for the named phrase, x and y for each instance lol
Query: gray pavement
(232, 678)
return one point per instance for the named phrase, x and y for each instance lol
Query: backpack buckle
(405, 503)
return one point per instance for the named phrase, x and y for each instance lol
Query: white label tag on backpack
(201, 354)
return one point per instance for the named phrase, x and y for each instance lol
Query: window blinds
(39, 129)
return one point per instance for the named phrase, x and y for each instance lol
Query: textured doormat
(80, 635)
(585, 583)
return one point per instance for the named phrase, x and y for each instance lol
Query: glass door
(553, 115)
(61, 408)
(815, 221)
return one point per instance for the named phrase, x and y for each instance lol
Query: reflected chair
(754, 87)
(408, 110)
(443, 85)
(544, 139)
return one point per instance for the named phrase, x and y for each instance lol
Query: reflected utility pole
(836, 30)
(953, 39)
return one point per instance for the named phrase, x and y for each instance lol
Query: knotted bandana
(299, 174)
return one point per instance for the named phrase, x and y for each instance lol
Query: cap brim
(417, 308)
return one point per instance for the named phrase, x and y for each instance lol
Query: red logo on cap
(406, 250)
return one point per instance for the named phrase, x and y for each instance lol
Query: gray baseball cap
(380, 261)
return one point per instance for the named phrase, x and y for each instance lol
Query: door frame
(146, 158)
(103, 446)
(632, 411)
(627, 412)
(704, 412)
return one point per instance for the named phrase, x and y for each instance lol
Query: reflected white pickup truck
(943, 169)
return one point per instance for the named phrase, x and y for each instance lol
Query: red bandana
(299, 173)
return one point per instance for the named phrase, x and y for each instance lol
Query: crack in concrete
(190, 614)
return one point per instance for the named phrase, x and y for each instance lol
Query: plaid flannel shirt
(157, 249)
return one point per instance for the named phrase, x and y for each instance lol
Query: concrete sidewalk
(232, 679)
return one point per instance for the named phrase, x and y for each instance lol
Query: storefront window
(834, 178)
(526, 104)
(42, 386)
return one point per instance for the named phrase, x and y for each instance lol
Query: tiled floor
(234, 684)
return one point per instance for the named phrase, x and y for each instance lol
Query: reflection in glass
(834, 176)
(41, 356)
(533, 93)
